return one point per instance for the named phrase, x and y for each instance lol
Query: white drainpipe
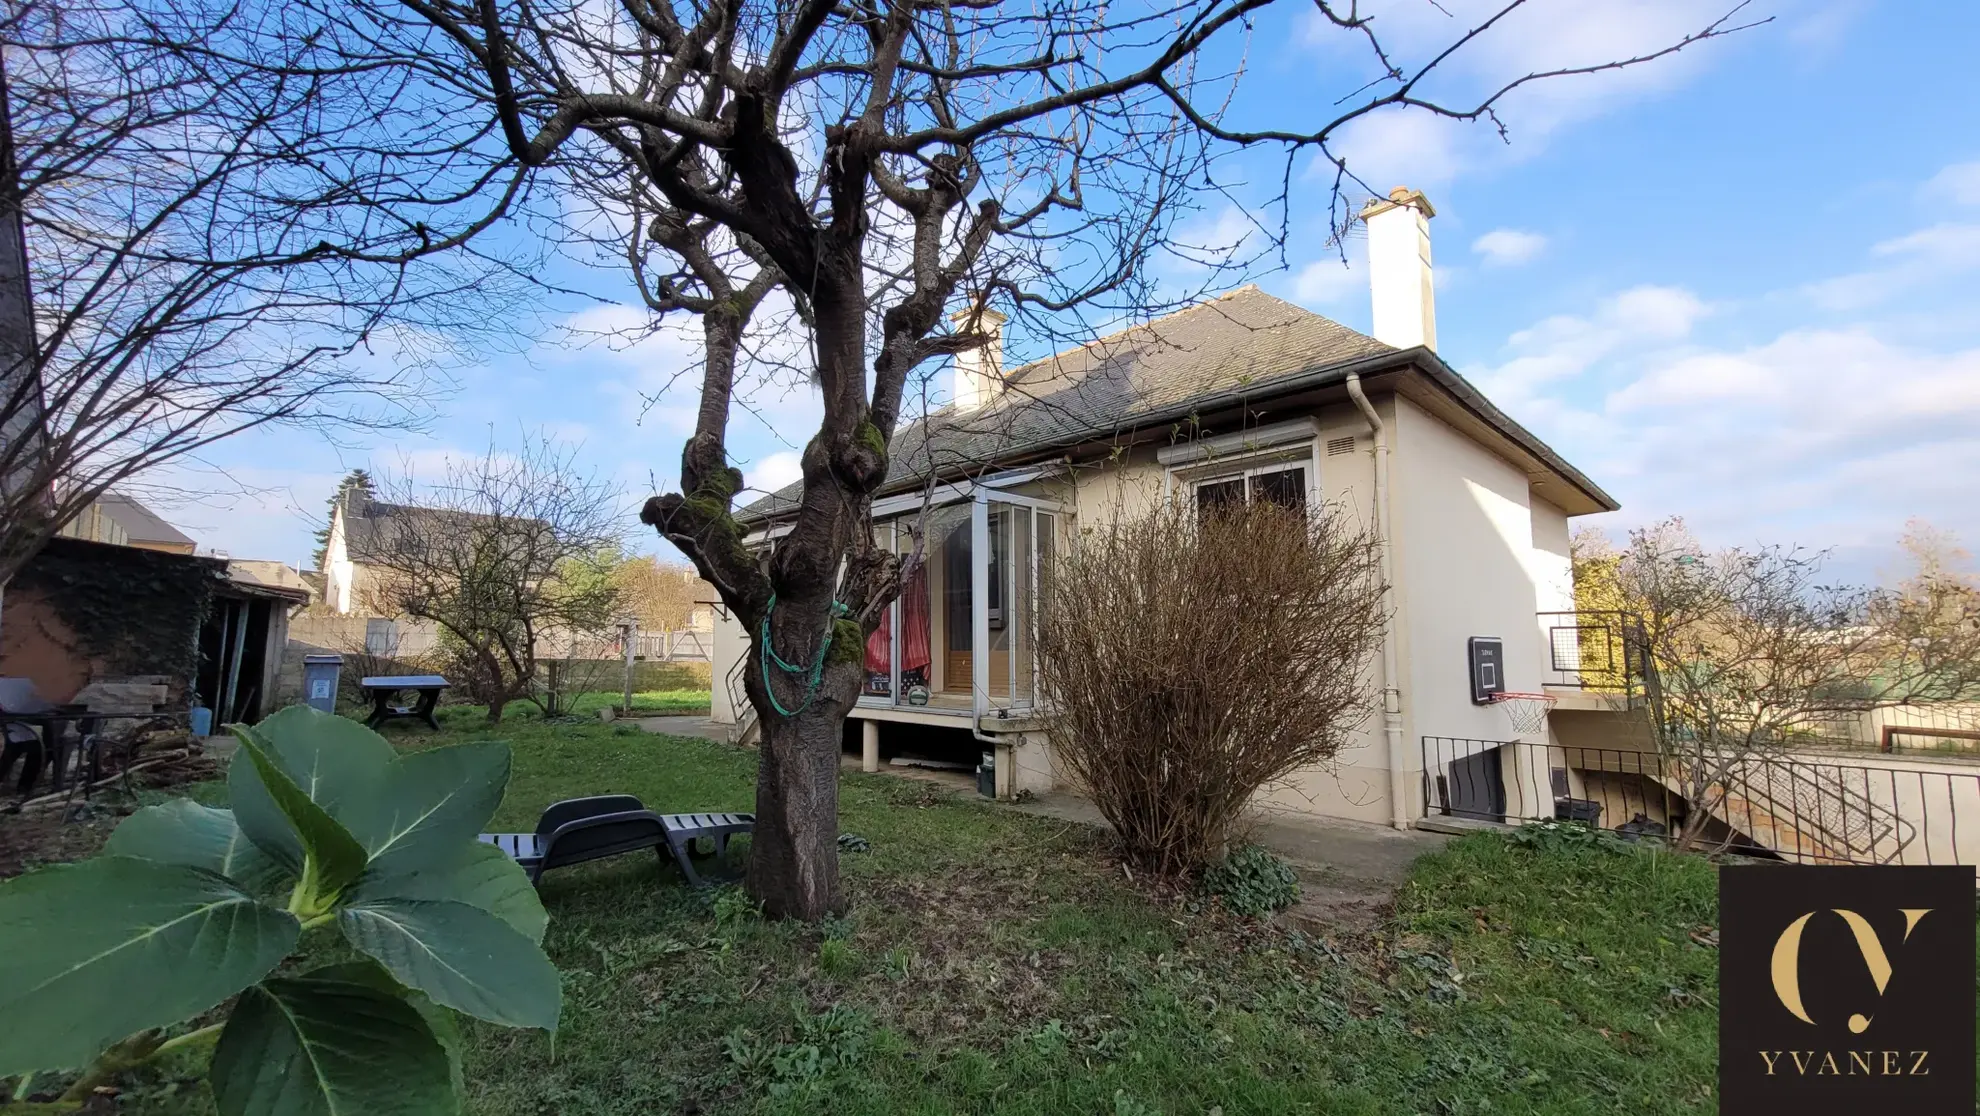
(1392, 721)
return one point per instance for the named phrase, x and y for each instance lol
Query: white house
(1242, 397)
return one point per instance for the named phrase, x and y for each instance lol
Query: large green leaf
(93, 952)
(327, 754)
(320, 1046)
(184, 832)
(462, 956)
(298, 830)
(479, 875)
(334, 761)
(440, 1020)
(430, 803)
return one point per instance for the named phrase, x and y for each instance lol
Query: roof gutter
(1320, 377)
(1423, 359)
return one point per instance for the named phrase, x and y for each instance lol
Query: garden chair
(581, 829)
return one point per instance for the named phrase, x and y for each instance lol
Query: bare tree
(1750, 655)
(888, 166)
(215, 212)
(660, 594)
(506, 553)
(1197, 660)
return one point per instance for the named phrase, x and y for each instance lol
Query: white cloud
(1916, 259)
(1959, 183)
(1817, 436)
(1397, 147)
(774, 471)
(1827, 435)
(1824, 28)
(1565, 346)
(1329, 280)
(1509, 247)
(1427, 151)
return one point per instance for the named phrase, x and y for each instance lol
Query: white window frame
(1272, 448)
(1303, 458)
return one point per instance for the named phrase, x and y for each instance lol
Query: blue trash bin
(320, 673)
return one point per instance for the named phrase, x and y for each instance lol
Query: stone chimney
(979, 371)
(1399, 268)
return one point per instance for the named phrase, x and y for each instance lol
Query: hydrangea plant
(330, 831)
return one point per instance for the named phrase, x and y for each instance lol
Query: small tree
(1194, 661)
(1749, 655)
(505, 554)
(661, 595)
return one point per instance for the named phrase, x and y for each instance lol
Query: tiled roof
(140, 523)
(1243, 341)
(367, 522)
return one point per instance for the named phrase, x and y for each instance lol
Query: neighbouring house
(1244, 397)
(357, 523)
(119, 519)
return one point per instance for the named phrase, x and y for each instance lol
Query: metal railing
(745, 713)
(1876, 810)
(1595, 649)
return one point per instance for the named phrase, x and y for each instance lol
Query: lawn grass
(666, 703)
(993, 961)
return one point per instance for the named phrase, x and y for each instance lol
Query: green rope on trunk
(813, 675)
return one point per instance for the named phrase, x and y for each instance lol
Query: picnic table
(383, 690)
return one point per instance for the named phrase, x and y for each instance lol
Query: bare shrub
(1195, 660)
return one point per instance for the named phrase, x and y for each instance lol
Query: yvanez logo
(1787, 960)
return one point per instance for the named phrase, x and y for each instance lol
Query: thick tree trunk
(794, 851)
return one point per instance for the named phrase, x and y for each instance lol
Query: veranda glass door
(966, 617)
(1017, 535)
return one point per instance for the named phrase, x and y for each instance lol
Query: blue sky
(1741, 285)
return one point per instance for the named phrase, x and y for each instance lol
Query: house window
(1284, 487)
(1213, 496)
(1277, 483)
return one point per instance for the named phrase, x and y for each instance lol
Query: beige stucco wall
(1466, 565)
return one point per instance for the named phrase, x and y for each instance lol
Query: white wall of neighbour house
(1468, 565)
(339, 572)
(730, 643)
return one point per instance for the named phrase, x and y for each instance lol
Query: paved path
(1347, 870)
(703, 727)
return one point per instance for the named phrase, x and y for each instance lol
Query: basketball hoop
(1527, 712)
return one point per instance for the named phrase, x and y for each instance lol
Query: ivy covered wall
(88, 610)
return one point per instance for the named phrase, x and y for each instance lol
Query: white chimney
(979, 371)
(1399, 268)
